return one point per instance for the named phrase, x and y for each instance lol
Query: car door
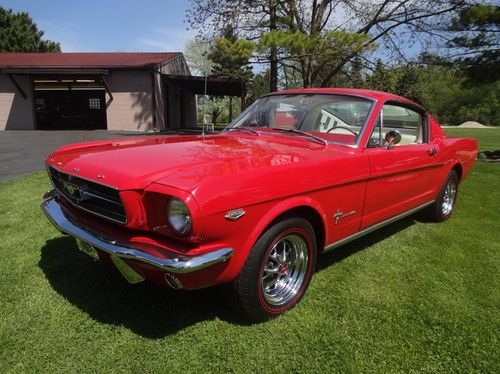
(402, 176)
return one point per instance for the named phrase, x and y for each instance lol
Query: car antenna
(205, 105)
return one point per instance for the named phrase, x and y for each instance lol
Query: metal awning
(215, 86)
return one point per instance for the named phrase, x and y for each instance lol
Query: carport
(180, 89)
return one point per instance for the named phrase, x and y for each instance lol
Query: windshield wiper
(303, 133)
(245, 129)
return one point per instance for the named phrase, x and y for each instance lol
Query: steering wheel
(343, 127)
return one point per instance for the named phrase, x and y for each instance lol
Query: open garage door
(69, 104)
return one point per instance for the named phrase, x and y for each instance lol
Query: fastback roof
(84, 60)
(377, 95)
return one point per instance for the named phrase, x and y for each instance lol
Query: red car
(298, 173)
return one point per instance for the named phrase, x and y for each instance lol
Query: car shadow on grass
(147, 309)
(365, 242)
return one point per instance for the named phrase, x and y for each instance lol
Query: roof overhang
(214, 86)
(49, 71)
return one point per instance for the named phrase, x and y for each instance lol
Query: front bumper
(172, 263)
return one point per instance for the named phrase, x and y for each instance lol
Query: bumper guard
(174, 263)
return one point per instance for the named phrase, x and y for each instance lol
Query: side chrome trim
(377, 226)
(175, 263)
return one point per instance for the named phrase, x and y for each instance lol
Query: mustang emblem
(76, 192)
(339, 214)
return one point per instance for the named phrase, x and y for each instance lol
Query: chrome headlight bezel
(179, 217)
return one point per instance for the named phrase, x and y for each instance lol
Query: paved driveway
(23, 152)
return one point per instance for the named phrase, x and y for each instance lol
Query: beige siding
(16, 113)
(132, 104)
(177, 66)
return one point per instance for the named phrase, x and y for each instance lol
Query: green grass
(414, 296)
(489, 138)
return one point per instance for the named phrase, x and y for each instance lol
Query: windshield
(336, 118)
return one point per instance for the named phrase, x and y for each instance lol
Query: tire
(444, 205)
(277, 272)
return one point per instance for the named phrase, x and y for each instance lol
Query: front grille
(92, 197)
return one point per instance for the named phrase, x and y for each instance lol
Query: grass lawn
(414, 296)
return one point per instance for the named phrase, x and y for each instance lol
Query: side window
(409, 123)
(376, 138)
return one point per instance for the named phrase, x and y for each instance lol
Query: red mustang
(300, 172)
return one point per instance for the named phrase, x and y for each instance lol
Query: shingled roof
(84, 60)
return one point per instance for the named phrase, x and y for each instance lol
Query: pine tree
(18, 33)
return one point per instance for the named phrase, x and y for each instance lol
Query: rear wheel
(444, 205)
(277, 271)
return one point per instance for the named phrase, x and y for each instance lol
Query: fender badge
(339, 214)
(235, 214)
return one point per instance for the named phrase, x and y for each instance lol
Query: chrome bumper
(174, 263)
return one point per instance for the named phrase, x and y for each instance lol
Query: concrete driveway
(23, 152)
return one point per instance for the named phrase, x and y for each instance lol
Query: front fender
(271, 213)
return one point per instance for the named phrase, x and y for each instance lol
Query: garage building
(114, 91)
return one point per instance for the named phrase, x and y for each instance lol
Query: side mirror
(392, 138)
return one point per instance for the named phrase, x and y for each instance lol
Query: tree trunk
(273, 57)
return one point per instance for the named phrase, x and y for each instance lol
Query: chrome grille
(92, 197)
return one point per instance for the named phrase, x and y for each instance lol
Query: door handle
(432, 151)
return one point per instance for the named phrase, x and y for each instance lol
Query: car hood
(180, 161)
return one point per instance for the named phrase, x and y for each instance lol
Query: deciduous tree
(319, 38)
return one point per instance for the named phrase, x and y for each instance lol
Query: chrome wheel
(284, 270)
(450, 193)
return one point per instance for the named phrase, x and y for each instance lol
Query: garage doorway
(69, 104)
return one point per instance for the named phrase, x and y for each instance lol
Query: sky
(110, 26)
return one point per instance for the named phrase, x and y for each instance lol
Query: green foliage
(443, 91)
(477, 42)
(314, 54)
(477, 15)
(231, 56)
(448, 94)
(327, 44)
(218, 109)
(18, 33)
(258, 86)
(402, 80)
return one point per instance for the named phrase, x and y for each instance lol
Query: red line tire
(444, 205)
(277, 272)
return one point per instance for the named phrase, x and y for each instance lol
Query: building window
(94, 103)
(39, 102)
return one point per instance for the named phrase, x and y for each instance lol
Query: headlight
(179, 217)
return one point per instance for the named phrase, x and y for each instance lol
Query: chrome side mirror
(392, 138)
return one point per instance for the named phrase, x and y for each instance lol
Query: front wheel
(444, 205)
(277, 271)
